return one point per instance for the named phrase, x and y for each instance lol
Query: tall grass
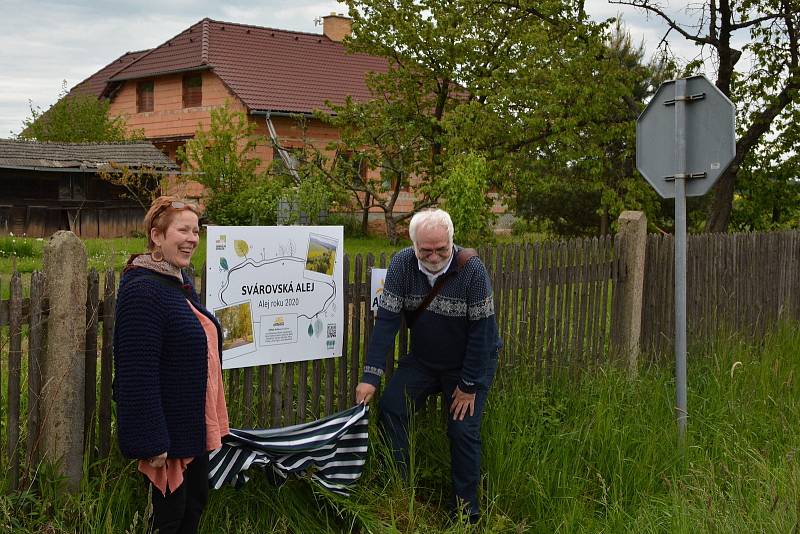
(596, 454)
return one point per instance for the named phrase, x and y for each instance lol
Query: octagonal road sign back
(710, 137)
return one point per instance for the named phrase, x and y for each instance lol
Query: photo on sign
(236, 321)
(320, 257)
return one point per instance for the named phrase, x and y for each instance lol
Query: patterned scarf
(163, 267)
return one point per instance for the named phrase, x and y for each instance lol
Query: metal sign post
(685, 139)
(680, 255)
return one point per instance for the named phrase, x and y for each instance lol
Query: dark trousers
(179, 511)
(407, 390)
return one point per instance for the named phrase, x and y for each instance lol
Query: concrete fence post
(61, 409)
(633, 230)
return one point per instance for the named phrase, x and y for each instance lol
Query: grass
(28, 252)
(596, 454)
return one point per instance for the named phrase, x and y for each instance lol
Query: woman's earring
(157, 255)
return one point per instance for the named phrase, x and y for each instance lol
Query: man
(454, 344)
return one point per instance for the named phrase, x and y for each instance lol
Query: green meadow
(25, 254)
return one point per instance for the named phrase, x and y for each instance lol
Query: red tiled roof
(96, 83)
(267, 69)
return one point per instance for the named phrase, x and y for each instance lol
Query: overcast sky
(44, 43)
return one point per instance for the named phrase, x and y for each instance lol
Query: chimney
(336, 26)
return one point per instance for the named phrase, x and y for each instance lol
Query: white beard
(434, 267)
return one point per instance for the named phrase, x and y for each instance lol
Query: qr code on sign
(331, 331)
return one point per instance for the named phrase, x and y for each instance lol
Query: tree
(493, 77)
(534, 87)
(76, 118)
(768, 190)
(141, 185)
(223, 159)
(385, 136)
(765, 95)
(578, 182)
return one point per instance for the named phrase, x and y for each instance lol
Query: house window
(192, 91)
(144, 96)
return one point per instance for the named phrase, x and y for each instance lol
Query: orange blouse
(170, 475)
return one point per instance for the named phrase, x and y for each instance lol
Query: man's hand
(364, 392)
(158, 461)
(461, 403)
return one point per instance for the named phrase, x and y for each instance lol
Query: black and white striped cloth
(332, 450)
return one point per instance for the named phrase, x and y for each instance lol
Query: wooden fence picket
(14, 379)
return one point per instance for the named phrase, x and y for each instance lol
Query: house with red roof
(272, 75)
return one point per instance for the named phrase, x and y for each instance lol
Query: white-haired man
(454, 344)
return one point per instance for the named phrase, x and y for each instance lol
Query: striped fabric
(332, 450)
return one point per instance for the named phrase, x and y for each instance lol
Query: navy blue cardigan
(161, 366)
(456, 333)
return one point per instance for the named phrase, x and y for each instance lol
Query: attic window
(144, 96)
(192, 90)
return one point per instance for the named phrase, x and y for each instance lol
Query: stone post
(61, 409)
(633, 232)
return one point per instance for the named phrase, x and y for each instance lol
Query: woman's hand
(158, 461)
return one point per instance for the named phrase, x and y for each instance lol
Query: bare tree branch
(646, 5)
(754, 22)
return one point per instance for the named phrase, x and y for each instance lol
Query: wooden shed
(45, 187)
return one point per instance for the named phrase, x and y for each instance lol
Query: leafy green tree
(76, 118)
(504, 79)
(767, 193)
(223, 159)
(765, 93)
(385, 136)
(581, 180)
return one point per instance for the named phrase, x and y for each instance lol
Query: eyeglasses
(176, 204)
(442, 252)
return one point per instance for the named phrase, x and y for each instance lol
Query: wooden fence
(735, 282)
(554, 303)
(558, 304)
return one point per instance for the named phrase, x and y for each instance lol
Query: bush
(351, 224)
(254, 205)
(465, 190)
(525, 227)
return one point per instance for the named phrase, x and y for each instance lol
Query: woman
(168, 382)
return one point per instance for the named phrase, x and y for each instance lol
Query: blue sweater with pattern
(456, 333)
(161, 366)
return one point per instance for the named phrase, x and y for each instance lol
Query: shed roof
(81, 156)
